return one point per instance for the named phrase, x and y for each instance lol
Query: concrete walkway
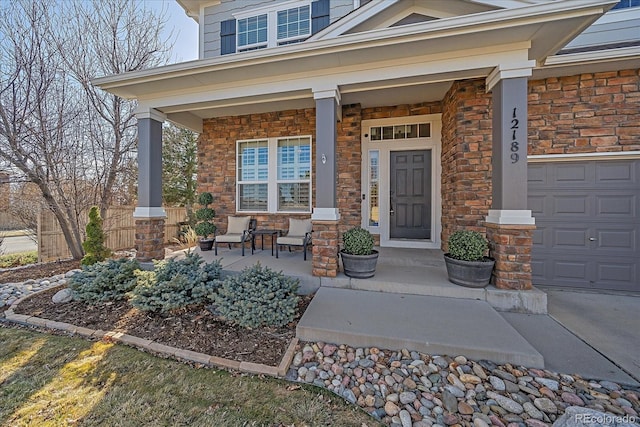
(433, 325)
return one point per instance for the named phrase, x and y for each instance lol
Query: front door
(410, 194)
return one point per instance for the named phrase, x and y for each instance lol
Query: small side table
(274, 235)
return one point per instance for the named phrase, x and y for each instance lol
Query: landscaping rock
(63, 296)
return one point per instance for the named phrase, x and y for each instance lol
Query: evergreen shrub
(176, 284)
(104, 281)
(94, 248)
(258, 296)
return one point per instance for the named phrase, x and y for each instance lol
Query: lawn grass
(57, 381)
(16, 260)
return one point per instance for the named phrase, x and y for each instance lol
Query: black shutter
(228, 36)
(319, 15)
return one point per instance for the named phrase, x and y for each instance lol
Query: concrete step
(433, 325)
(431, 279)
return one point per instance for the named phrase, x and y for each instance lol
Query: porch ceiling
(412, 63)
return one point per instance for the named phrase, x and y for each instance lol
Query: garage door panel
(613, 240)
(616, 205)
(568, 238)
(616, 273)
(538, 236)
(573, 173)
(566, 269)
(615, 172)
(537, 204)
(588, 224)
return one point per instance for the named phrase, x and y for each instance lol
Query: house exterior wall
(585, 114)
(214, 15)
(466, 157)
(589, 113)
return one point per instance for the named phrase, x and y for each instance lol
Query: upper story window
(627, 3)
(275, 27)
(294, 24)
(276, 24)
(252, 32)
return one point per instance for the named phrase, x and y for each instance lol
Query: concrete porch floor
(399, 270)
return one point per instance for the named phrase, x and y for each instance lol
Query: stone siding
(585, 114)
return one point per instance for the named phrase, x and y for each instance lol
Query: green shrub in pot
(467, 245)
(357, 241)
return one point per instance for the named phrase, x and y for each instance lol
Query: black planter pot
(472, 274)
(359, 266)
(206, 244)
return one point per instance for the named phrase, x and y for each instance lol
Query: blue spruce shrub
(104, 281)
(176, 284)
(258, 296)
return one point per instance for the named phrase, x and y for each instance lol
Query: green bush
(176, 284)
(205, 214)
(16, 260)
(258, 296)
(102, 281)
(358, 241)
(94, 248)
(467, 245)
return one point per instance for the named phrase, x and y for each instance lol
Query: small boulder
(62, 296)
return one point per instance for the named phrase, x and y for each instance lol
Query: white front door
(401, 180)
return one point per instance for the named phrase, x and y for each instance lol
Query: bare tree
(68, 138)
(124, 37)
(36, 108)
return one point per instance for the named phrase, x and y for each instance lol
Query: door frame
(384, 148)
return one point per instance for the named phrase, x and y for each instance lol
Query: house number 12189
(515, 147)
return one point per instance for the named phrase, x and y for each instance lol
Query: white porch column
(509, 224)
(327, 113)
(149, 213)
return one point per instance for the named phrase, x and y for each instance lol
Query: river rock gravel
(406, 388)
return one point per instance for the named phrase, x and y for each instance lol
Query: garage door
(588, 229)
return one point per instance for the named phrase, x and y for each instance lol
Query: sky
(185, 29)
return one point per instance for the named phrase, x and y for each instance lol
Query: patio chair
(299, 234)
(239, 230)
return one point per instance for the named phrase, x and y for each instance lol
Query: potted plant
(466, 262)
(358, 256)
(205, 227)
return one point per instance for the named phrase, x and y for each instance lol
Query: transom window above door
(279, 26)
(404, 131)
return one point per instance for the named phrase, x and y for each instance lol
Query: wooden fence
(119, 226)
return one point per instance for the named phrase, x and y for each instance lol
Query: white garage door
(588, 226)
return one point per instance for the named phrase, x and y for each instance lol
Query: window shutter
(228, 36)
(319, 15)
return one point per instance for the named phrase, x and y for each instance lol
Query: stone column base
(325, 248)
(149, 239)
(511, 246)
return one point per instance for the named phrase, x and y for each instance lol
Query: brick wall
(466, 157)
(217, 157)
(586, 113)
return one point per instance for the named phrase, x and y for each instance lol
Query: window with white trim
(274, 27)
(274, 175)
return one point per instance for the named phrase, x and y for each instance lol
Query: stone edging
(155, 347)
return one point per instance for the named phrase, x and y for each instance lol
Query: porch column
(149, 214)
(325, 215)
(509, 224)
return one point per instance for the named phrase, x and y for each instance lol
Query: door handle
(592, 239)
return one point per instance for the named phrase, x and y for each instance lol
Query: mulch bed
(195, 329)
(38, 271)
